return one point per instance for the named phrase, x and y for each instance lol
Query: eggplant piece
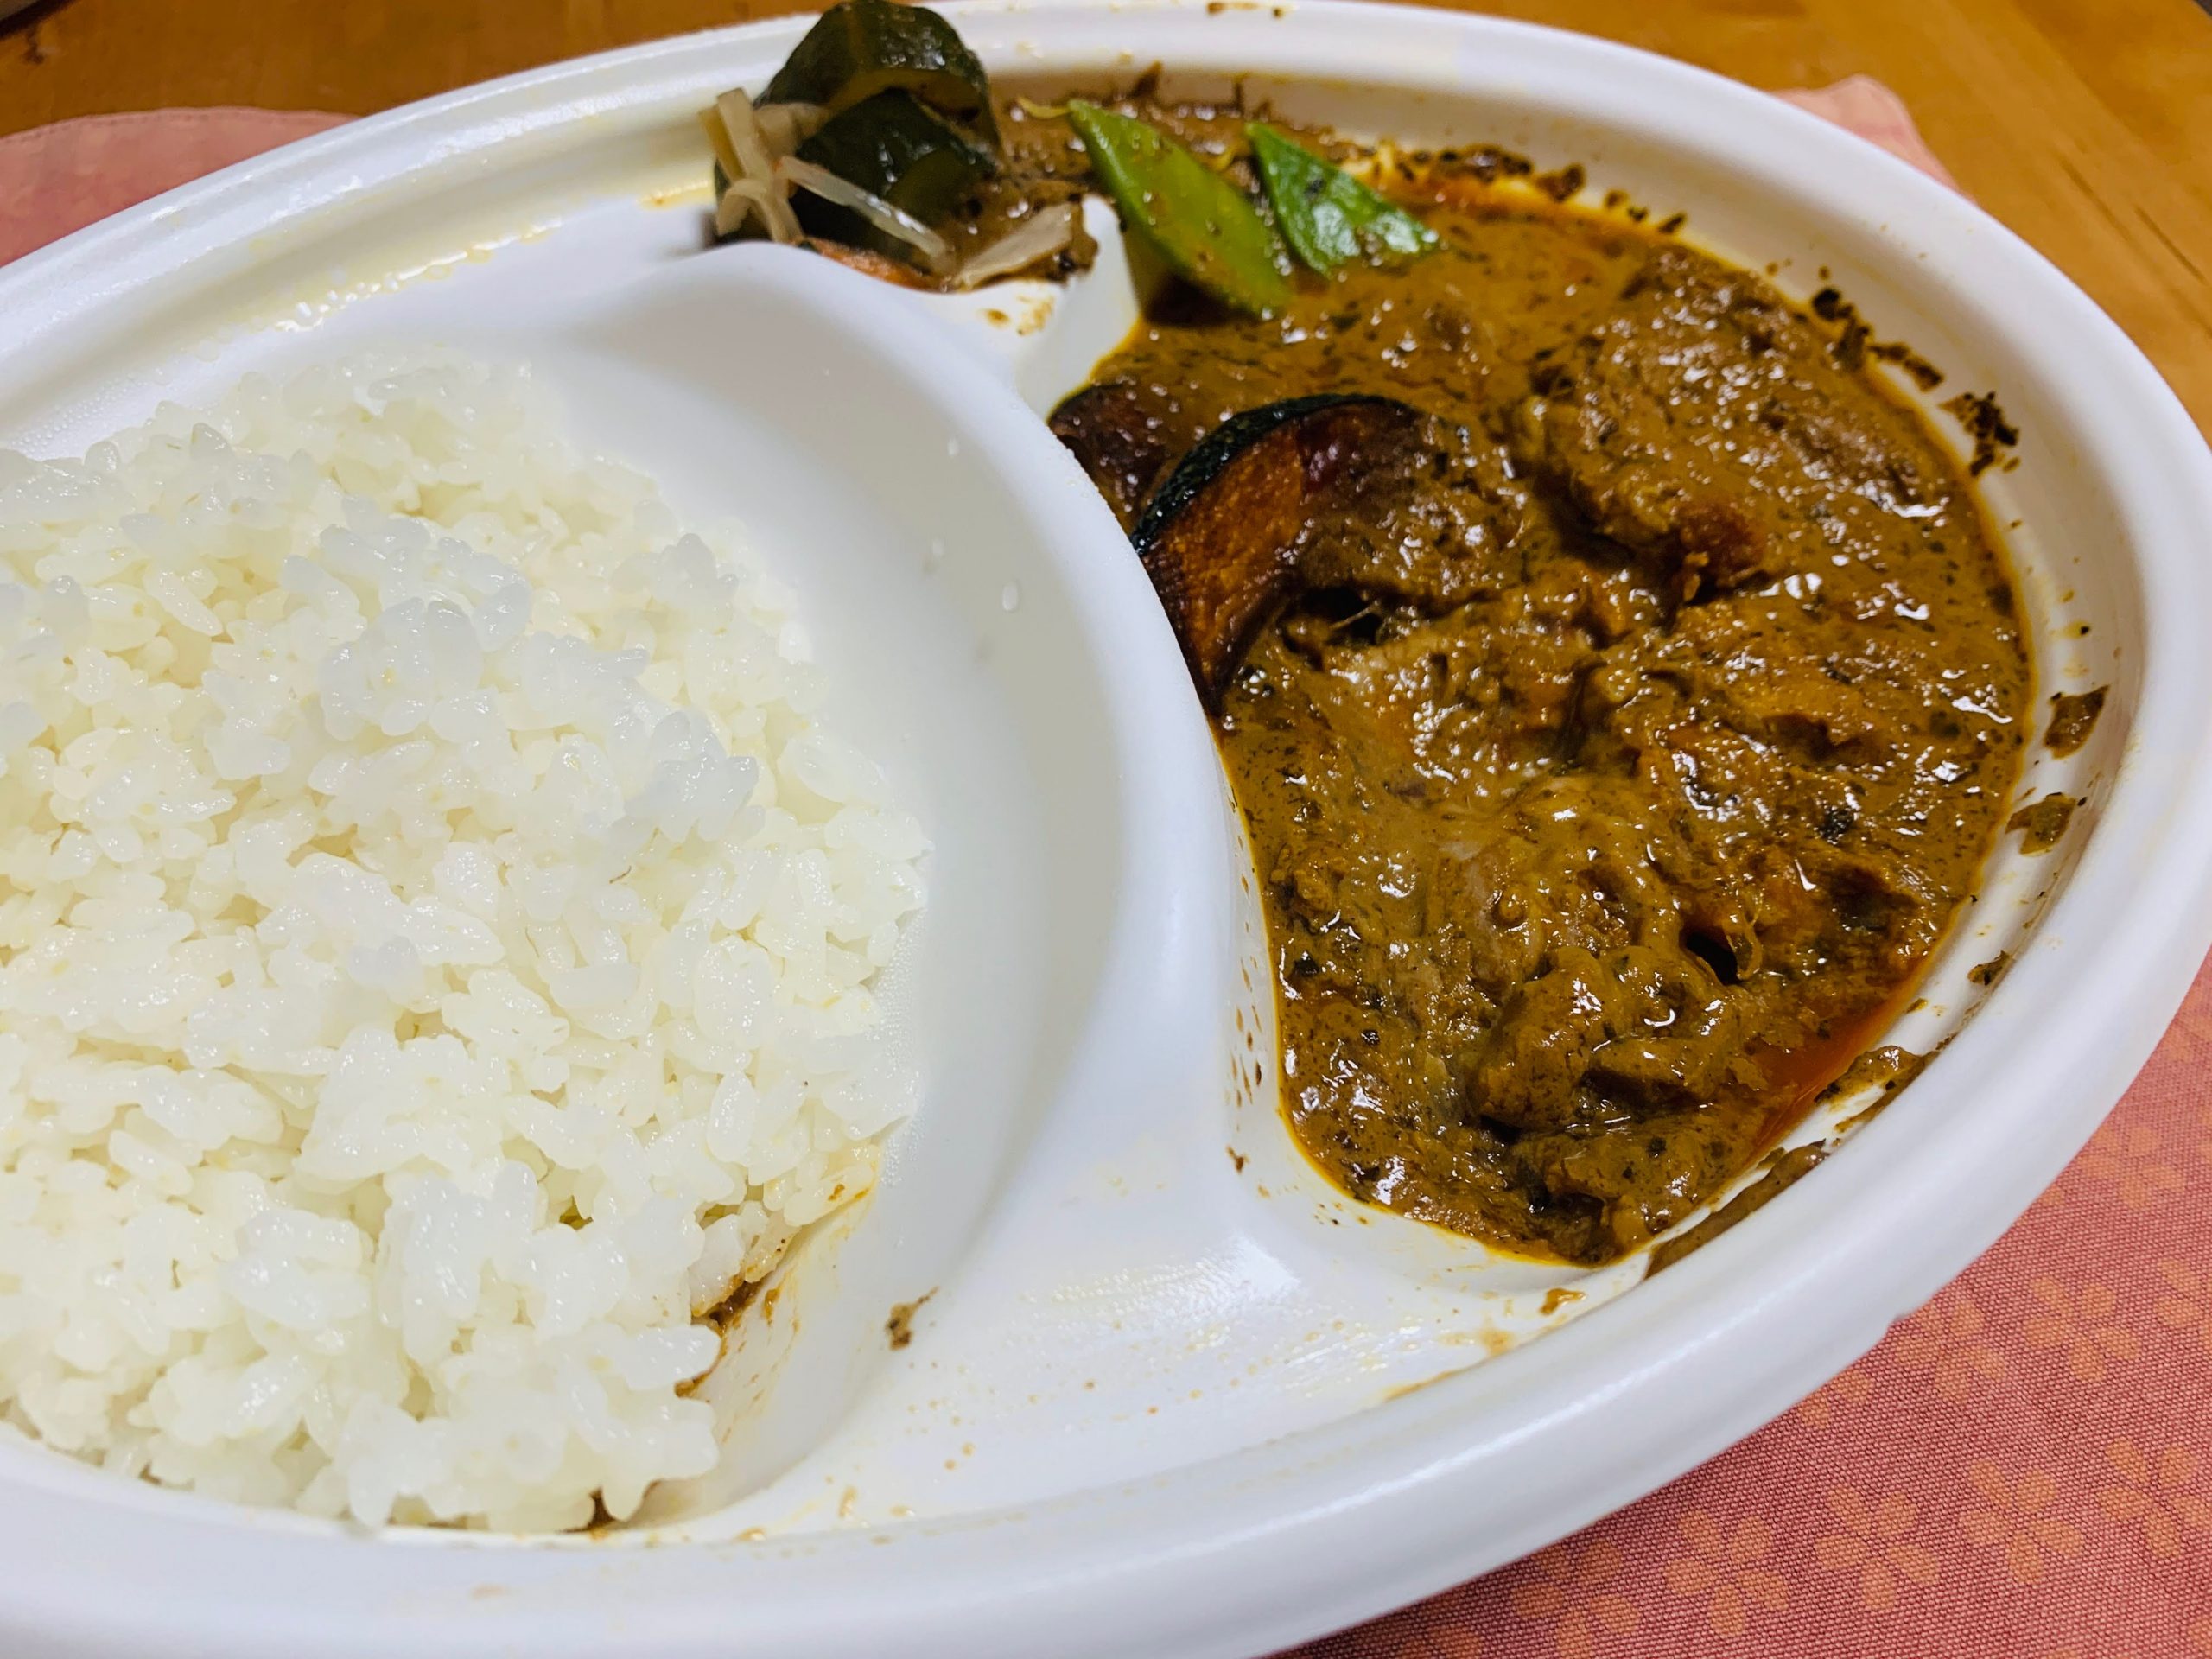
(1242, 522)
(1116, 440)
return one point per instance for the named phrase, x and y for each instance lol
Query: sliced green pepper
(1202, 225)
(1327, 216)
(862, 48)
(892, 147)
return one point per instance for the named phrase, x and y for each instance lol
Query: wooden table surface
(2085, 125)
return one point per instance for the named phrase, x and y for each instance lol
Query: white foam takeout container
(1160, 1402)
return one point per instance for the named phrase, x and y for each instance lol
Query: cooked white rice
(438, 948)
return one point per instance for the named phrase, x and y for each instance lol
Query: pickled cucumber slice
(892, 147)
(860, 48)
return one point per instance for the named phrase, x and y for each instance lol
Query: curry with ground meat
(1620, 686)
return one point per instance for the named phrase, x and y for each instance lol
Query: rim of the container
(1279, 1541)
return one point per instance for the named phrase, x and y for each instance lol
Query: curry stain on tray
(2044, 824)
(2073, 717)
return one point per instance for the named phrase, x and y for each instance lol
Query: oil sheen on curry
(1620, 686)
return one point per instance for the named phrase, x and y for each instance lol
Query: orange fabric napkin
(2023, 1468)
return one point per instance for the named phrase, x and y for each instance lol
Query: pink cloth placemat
(2023, 1468)
(59, 179)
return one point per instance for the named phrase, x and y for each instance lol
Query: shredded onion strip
(744, 198)
(718, 136)
(935, 251)
(1040, 236)
(755, 162)
(786, 126)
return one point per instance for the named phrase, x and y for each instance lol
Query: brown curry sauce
(1608, 796)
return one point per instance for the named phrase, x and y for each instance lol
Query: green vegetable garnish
(1328, 217)
(1202, 224)
(862, 48)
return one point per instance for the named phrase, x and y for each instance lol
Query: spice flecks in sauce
(1610, 787)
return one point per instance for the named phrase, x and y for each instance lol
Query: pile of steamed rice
(437, 944)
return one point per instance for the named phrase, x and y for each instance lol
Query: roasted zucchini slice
(1232, 535)
(1116, 439)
